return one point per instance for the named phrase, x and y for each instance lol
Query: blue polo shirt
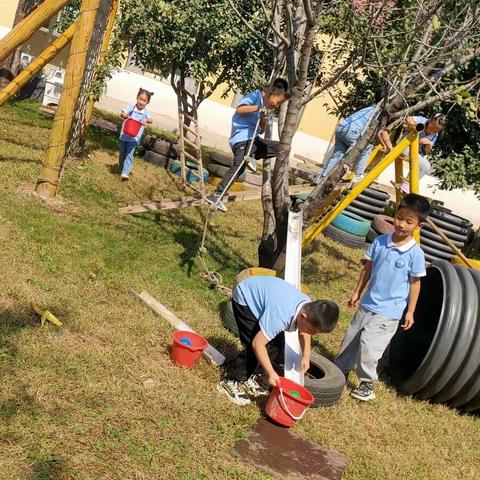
(274, 303)
(243, 126)
(392, 267)
(139, 115)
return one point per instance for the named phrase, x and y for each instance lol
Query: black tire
(382, 224)
(362, 213)
(426, 234)
(436, 253)
(367, 207)
(371, 235)
(372, 201)
(430, 258)
(227, 317)
(221, 158)
(345, 238)
(162, 147)
(376, 193)
(217, 170)
(416, 355)
(324, 380)
(156, 158)
(450, 227)
(462, 387)
(451, 369)
(441, 246)
(451, 235)
(451, 218)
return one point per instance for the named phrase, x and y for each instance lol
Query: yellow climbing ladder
(345, 192)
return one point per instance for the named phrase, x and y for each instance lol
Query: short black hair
(145, 92)
(280, 86)
(322, 314)
(379, 94)
(417, 204)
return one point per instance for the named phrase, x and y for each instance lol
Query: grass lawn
(72, 400)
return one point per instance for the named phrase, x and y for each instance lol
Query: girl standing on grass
(128, 144)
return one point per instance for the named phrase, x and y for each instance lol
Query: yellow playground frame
(344, 194)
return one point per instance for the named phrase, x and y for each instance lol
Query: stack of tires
(348, 229)
(219, 164)
(439, 357)
(457, 229)
(158, 151)
(369, 203)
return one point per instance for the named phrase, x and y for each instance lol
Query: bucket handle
(284, 406)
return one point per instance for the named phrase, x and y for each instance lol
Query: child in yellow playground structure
(393, 268)
(128, 143)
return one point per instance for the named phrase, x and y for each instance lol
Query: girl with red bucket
(264, 308)
(135, 118)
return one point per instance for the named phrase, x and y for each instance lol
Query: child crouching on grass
(394, 265)
(264, 308)
(128, 144)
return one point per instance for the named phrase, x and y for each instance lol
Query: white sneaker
(251, 163)
(124, 177)
(254, 388)
(357, 178)
(214, 200)
(234, 392)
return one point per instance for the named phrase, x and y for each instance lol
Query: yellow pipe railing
(34, 67)
(21, 32)
(312, 232)
(414, 174)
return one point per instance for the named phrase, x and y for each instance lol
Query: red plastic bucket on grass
(131, 127)
(288, 402)
(187, 348)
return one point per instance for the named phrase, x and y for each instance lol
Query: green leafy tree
(196, 39)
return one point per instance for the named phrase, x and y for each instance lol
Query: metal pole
(398, 177)
(29, 25)
(33, 68)
(47, 184)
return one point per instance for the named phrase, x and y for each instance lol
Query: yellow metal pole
(315, 230)
(413, 154)
(33, 68)
(47, 184)
(101, 60)
(29, 25)
(398, 177)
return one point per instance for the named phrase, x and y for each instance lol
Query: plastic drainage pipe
(467, 385)
(418, 354)
(462, 343)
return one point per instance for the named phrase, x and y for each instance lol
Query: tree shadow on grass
(188, 233)
(47, 466)
(4, 158)
(23, 142)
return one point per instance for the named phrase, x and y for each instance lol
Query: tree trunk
(76, 145)
(10, 66)
(271, 251)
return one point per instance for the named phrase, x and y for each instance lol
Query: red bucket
(131, 127)
(288, 402)
(187, 348)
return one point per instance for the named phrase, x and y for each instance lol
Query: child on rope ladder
(130, 139)
(248, 123)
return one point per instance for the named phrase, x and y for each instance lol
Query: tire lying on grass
(221, 158)
(439, 357)
(382, 224)
(156, 158)
(324, 379)
(351, 223)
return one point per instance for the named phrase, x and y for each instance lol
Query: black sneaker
(214, 200)
(364, 392)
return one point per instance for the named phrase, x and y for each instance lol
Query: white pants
(363, 345)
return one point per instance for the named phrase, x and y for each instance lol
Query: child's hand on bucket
(273, 379)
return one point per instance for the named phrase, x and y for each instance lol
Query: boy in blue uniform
(264, 308)
(251, 109)
(393, 267)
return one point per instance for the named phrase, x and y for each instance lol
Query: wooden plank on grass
(307, 160)
(154, 206)
(213, 354)
(304, 174)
